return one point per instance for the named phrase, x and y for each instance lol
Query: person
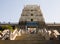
(30, 31)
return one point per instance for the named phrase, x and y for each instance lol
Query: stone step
(30, 37)
(29, 42)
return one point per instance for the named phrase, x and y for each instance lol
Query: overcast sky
(10, 10)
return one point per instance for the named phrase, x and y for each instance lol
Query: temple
(32, 18)
(32, 23)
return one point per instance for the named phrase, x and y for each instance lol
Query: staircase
(33, 39)
(30, 37)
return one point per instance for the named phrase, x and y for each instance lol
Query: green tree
(5, 27)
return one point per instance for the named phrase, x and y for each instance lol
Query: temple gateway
(32, 20)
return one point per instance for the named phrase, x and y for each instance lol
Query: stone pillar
(36, 29)
(26, 29)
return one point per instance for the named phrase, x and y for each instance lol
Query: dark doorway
(31, 19)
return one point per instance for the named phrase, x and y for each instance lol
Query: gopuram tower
(31, 18)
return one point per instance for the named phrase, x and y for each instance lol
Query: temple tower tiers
(31, 13)
(31, 17)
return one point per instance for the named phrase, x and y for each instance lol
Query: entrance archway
(32, 27)
(32, 30)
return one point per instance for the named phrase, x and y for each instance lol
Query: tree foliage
(5, 27)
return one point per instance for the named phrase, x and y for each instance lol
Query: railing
(47, 34)
(56, 33)
(6, 34)
(14, 34)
